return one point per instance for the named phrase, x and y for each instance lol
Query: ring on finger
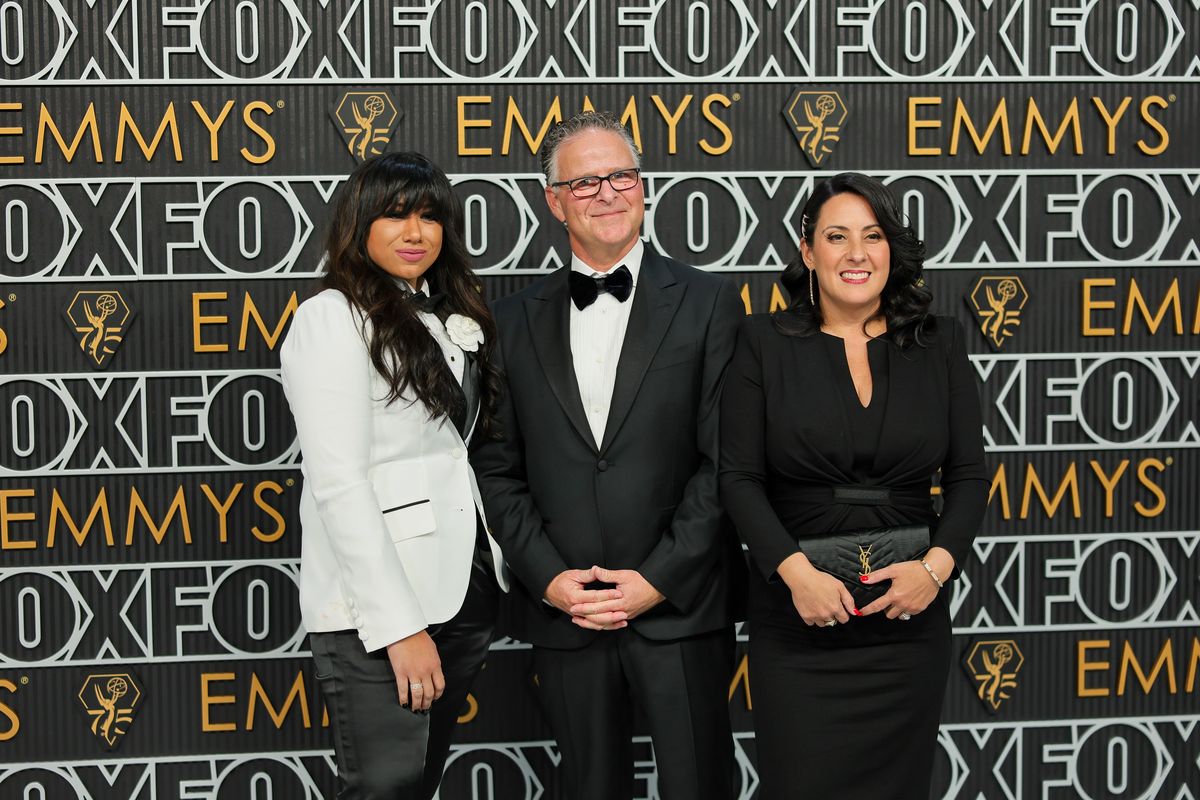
(415, 686)
(829, 623)
(904, 615)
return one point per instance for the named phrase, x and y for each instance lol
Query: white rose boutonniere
(464, 332)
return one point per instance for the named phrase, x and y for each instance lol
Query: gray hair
(572, 126)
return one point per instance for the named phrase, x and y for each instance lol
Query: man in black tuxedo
(603, 489)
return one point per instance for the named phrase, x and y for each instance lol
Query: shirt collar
(632, 260)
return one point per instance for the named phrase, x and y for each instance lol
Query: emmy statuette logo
(997, 302)
(816, 119)
(993, 666)
(111, 701)
(367, 121)
(100, 320)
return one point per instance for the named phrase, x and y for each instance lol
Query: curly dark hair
(904, 302)
(400, 346)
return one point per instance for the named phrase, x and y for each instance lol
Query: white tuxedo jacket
(387, 511)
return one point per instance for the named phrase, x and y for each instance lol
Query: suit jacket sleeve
(964, 474)
(680, 566)
(515, 520)
(327, 374)
(744, 455)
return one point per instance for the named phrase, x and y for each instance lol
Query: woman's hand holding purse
(819, 598)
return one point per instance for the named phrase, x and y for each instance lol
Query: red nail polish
(862, 578)
(857, 613)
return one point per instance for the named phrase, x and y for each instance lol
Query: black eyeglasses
(589, 185)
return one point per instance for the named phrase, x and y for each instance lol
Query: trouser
(681, 686)
(384, 750)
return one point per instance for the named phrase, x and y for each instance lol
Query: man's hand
(635, 596)
(567, 591)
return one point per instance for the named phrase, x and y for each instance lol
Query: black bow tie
(427, 303)
(585, 289)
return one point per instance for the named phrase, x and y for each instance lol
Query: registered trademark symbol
(279, 104)
(12, 298)
(1170, 461)
(1171, 97)
(737, 96)
(24, 680)
(290, 482)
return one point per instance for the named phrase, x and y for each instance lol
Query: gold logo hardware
(864, 559)
(111, 700)
(816, 120)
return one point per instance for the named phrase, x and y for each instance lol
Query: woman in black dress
(836, 415)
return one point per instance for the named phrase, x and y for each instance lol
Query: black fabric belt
(857, 494)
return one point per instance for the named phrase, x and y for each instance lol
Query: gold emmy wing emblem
(111, 700)
(816, 120)
(100, 319)
(367, 120)
(994, 666)
(998, 301)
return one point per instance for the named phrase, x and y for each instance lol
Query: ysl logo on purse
(864, 558)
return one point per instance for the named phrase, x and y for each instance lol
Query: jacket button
(602, 465)
(456, 453)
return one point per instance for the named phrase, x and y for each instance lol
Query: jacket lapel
(655, 301)
(549, 316)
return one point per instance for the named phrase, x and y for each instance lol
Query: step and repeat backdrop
(166, 172)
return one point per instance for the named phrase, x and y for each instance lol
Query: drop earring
(811, 300)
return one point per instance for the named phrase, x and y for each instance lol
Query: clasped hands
(819, 597)
(602, 609)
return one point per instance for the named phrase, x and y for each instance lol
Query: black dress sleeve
(964, 479)
(743, 452)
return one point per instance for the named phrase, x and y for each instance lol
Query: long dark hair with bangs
(904, 302)
(400, 346)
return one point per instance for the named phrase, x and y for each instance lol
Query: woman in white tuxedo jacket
(387, 371)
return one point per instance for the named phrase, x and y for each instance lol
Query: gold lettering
(706, 108)
(1129, 661)
(58, 508)
(1193, 663)
(1164, 138)
(257, 693)
(914, 123)
(258, 130)
(249, 310)
(963, 120)
(208, 700)
(88, 123)
(1070, 482)
(1071, 119)
(1170, 301)
(1144, 479)
(1111, 120)
(1090, 305)
(199, 319)
(1109, 483)
(222, 508)
(260, 501)
(513, 115)
(463, 123)
(8, 711)
(1000, 484)
(4, 336)
(672, 119)
(741, 677)
(629, 117)
(127, 123)
(1083, 666)
(138, 508)
(8, 517)
(11, 130)
(214, 153)
(778, 303)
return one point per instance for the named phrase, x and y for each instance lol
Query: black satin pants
(384, 750)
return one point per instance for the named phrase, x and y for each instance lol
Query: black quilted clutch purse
(847, 556)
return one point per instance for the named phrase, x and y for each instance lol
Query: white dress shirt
(597, 335)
